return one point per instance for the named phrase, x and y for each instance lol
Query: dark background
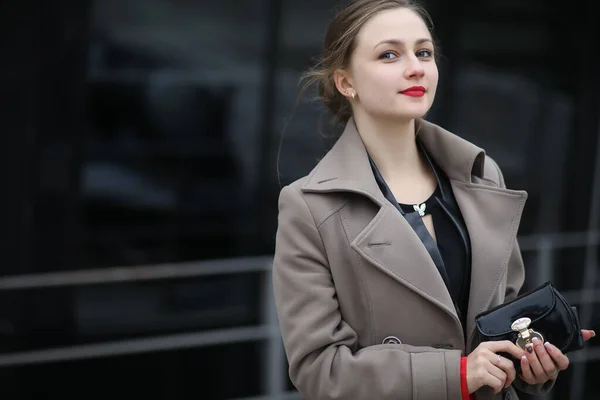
(158, 133)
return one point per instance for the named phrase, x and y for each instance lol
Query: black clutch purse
(542, 312)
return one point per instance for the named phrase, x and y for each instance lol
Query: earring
(353, 95)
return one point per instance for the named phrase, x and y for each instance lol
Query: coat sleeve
(322, 349)
(515, 280)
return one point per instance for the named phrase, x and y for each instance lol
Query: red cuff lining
(464, 387)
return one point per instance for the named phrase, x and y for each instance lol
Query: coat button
(391, 340)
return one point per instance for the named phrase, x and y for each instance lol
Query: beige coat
(349, 272)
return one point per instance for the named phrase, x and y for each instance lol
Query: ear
(344, 82)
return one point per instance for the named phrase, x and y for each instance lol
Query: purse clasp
(521, 326)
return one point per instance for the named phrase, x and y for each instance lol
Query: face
(394, 53)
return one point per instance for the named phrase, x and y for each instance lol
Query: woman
(404, 232)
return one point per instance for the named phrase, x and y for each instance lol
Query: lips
(414, 91)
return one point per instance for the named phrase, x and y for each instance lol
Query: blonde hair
(340, 43)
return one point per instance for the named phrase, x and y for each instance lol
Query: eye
(424, 53)
(388, 55)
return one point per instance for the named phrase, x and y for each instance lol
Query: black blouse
(452, 252)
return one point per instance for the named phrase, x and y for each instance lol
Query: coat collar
(346, 166)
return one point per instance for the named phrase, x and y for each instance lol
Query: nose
(414, 68)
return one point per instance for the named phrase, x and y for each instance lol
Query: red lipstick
(414, 91)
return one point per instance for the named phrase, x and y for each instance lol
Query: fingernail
(593, 333)
(536, 342)
(524, 358)
(547, 344)
(529, 348)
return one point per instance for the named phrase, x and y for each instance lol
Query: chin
(414, 108)
(413, 113)
(402, 112)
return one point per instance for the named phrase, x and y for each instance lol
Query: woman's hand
(543, 361)
(486, 368)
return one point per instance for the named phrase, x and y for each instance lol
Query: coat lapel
(390, 244)
(492, 216)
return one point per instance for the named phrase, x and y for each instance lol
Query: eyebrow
(397, 42)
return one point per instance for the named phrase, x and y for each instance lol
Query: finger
(498, 373)
(493, 382)
(507, 367)
(511, 372)
(550, 368)
(587, 334)
(505, 346)
(534, 363)
(526, 372)
(560, 359)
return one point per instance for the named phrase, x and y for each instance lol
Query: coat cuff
(435, 373)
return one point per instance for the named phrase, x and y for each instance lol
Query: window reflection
(170, 168)
(171, 155)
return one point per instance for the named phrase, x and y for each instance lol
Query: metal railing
(274, 376)
(274, 368)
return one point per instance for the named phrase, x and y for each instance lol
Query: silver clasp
(525, 334)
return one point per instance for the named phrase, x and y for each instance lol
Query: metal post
(545, 264)
(273, 365)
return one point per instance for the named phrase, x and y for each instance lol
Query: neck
(392, 145)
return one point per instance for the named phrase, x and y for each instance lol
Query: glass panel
(170, 166)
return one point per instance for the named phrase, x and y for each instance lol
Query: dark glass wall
(152, 132)
(175, 108)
